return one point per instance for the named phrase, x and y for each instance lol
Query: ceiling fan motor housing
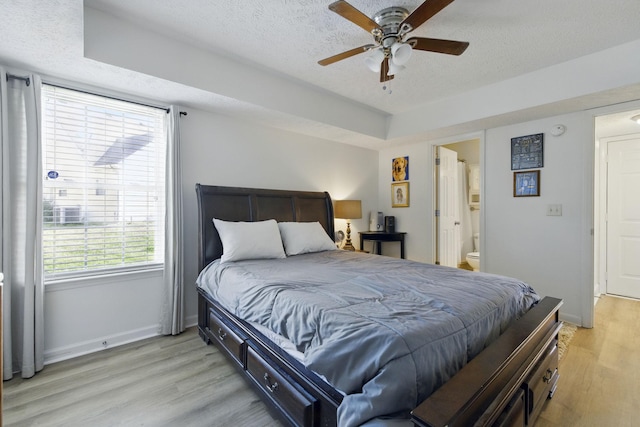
(389, 21)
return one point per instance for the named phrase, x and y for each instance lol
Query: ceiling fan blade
(450, 47)
(384, 69)
(425, 11)
(345, 55)
(352, 14)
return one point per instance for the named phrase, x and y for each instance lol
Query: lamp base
(348, 246)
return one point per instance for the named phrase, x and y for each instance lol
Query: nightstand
(382, 236)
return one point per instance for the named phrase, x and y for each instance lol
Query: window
(103, 196)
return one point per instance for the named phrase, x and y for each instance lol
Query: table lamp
(348, 209)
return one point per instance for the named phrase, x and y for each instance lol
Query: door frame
(431, 220)
(598, 260)
(603, 208)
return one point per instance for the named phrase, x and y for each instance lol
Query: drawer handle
(221, 334)
(272, 387)
(547, 376)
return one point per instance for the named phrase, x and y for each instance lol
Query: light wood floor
(178, 381)
(162, 381)
(599, 381)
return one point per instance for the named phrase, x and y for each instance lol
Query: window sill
(62, 284)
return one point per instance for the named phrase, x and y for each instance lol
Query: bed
(351, 350)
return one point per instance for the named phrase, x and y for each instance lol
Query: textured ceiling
(508, 38)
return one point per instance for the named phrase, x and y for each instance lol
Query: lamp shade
(374, 61)
(401, 52)
(348, 209)
(394, 69)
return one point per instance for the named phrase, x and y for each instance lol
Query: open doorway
(458, 200)
(617, 215)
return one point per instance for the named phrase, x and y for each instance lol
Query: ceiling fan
(389, 27)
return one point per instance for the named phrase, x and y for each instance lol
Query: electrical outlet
(554, 210)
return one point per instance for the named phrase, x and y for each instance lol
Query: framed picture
(400, 169)
(527, 152)
(399, 194)
(526, 184)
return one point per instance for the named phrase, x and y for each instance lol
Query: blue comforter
(384, 331)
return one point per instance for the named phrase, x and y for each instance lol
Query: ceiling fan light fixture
(636, 119)
(374, 61)
(400, 53)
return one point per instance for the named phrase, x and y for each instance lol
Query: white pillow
(304, 237)
(249, 240)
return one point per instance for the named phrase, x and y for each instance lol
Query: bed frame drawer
(542, 381)
(513, 414)
(298, 405)
(229, 340)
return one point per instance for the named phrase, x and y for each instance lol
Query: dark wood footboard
(508, 383)
(505, 385)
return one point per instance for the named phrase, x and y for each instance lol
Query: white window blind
(103, 196)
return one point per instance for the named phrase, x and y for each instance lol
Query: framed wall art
(399, 194)
(526, 184)
(527, 152)
(400, 169)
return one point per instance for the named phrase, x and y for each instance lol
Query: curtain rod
(25, 79)
(182, 113)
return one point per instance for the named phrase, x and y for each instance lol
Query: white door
(448, 241)
(623, 226)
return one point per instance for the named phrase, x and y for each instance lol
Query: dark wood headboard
(255, 204)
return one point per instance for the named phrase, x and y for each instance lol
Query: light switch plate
(554, 210)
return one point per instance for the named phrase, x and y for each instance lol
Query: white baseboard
(570, 318)
(191, 321)
(98, 344)
(91, 346)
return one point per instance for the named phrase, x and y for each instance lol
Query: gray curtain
(172, 320)
(21, 218)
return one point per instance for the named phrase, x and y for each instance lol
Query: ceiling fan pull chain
(387, 87)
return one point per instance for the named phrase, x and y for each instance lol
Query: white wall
(414, 219)
(216, 150)
(80, 315)
(552, 254)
